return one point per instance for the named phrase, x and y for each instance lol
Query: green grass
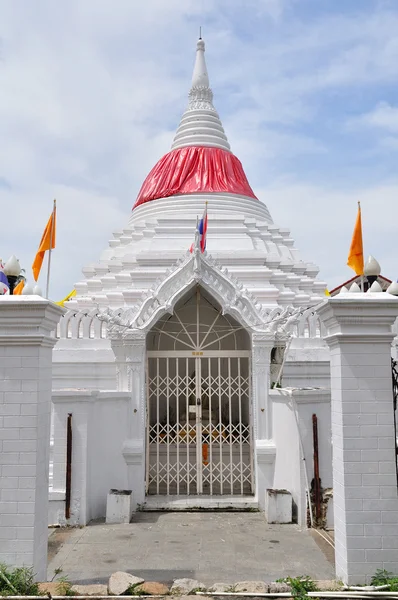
(300, 585)
(18, 581)
(383, 577)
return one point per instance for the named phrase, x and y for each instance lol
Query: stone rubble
(120, 582)
(153, 588)
(253, 587)
(53, 588)
(93, 589)
(221, 587)
(186, 586)
(278, 587)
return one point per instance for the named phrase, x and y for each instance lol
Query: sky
(92, 91)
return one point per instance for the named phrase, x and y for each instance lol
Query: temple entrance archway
(199, 431)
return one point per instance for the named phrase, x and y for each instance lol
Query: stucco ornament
(195, 268)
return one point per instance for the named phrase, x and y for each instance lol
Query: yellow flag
(18, 288)
(62, 302)
(355, 255)
(47, 242)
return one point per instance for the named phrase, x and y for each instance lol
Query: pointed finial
(354, 289)
(200, 32)
(393, 288)
(375, 288)
(200, 77)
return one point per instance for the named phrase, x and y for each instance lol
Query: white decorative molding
(265, 451)
(193, 268)
(200, 268)
(133, 452)
(201, 98)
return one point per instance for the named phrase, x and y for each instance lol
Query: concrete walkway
(209, 547)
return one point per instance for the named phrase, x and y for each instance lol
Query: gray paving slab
(209, 547)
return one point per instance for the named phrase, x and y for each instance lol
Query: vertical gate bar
(157, 426)
(210, 427)
(250, 400)
(197, 318)
(187, 423)
(148, 425)
(178, 424)
(168, 424)
(198, 372)
(240, 428)
(230, 427)
(220, 439)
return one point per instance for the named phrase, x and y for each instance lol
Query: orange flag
(355, 255)
(47, 242)
(18, 288)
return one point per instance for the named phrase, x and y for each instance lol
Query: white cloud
(383, 116)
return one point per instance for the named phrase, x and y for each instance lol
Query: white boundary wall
(25, 403)
(294, 465)
(100, 422)
(364, 461)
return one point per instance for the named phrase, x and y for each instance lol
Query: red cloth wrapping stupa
(193, 170)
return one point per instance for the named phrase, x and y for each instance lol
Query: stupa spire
(200, 77)
(200, 160)
(200, 124)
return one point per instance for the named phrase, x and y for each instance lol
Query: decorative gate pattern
(199, 423)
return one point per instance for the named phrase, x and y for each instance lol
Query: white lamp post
(372, 270)
(12, 269)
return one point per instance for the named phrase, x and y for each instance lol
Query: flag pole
(49, 252)
(362, 278)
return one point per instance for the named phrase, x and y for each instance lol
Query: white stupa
(173, 352)
(241, 233)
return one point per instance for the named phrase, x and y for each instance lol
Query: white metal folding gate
(199, 438)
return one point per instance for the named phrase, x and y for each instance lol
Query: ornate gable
(198, 268)
(194, 268)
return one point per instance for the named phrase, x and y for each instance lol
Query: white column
(265, 451)
(262, 405)
(364, 466)
(129, 351)
(26, 323)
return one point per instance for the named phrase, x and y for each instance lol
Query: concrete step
(192, 503)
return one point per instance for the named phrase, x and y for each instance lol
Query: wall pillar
(265, 450)
(364, 465)
(129, 350)
(26, 344)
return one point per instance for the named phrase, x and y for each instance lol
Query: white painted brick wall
(25, 395)
(95, 469)
(364, 467)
